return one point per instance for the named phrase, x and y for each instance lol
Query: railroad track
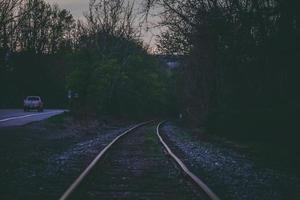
(133, 166)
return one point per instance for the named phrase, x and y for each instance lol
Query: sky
(78, 7)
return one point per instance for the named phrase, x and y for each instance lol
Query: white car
(33, 102)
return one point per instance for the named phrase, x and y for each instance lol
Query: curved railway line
(133, 166)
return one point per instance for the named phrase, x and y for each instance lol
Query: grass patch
(277, 155)
(59, 121)
(279, 151)
(271, 135)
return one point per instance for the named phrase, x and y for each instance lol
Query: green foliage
(31, 74)
(35, 39)
(44, 52)
(241, 74)
(133, 86)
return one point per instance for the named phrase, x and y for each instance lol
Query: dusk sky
(77, 7)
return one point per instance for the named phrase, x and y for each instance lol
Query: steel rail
(191, 175)
(79, 179)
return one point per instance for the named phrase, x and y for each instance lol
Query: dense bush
(113, 74)
(111, 86)
(102, 61)
(241, 72)
(32, 74)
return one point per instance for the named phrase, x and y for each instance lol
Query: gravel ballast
(229, 173)
(41, 160)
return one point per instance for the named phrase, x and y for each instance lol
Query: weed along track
(134, 167)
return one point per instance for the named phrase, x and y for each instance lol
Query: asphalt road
(17, 117)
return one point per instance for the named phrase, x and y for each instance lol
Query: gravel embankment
(229, 173)
(40, 161)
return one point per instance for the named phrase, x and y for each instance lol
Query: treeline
(34, 26)
(34, 36)
(241, 75)
(240, 72)
(114, 74)
(100, 60)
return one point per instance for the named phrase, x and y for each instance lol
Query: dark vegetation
(100, 60)
(34, 38)
(43, 158)
(239, 78)
(242, 63)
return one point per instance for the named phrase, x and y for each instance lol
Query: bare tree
(44, 28)
(112, 17)
(223, 38)
(8, 15)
